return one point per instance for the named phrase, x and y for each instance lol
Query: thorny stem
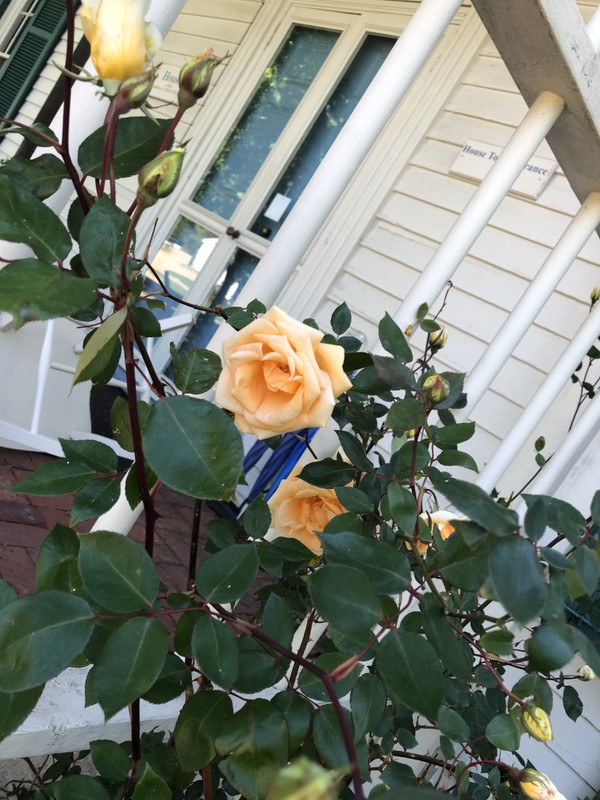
(191, 582)
(157, 385)
(218, 311)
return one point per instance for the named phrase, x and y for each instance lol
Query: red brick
(17, 568)
(17, 512)
(52, 516)
(16, 534)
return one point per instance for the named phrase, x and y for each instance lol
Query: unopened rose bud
(595, 294)
(194, 78)
(537, 786)
(436, 389)
(536, 722)
(158, 178)
(409, 330)
(134, 91)
(438, 339)
(305, 780)
(586, 673)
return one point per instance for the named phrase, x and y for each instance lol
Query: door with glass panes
(319, 65)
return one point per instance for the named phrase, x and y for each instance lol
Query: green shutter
(30, 54)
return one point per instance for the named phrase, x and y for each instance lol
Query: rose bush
(439, 519)
(299, 509)
(278, 376)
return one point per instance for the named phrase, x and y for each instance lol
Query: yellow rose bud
(159, 177)
(438, 339)
(586, 673)
(121, 41)
(436, 389)
(595, 294)
(194, 78)
(536, 722)
(304, 780)
(537, 786)
(134, 92)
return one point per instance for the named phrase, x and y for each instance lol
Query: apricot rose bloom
(121, 40)
(441, 519)
(278, 376)
(298, 509)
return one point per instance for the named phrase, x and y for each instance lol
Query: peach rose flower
(278, 376)
(441, 519)
(298, 509)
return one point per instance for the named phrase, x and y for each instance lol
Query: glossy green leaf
(95, 498)
(550, 647)
(411, 671)
(391, 374)
(7, 594)
(102, 241)
(477, 505)
(537, 688)
(403, 507)
(297, 714)
(572, 703)
(450, 647)
(456, 458)
(393, 339)
(463, 566)
(137, 142)
(353, 500)
(257, 518)
(258, 669)
(110, 759)
(354, 450)
(33, 290)
(56, 566)
(195, 371)
(452, 725)
(499, 643)
(344, 597)
(387, 569)
(328, 473)
(341, 319)
(79, 787)
(130, 662)
(120, 422)
(367, 703)
(456, 433)
(227, 575)
(172, 681)
(151, 786)
(37, 133)
(216, 651)
(312, 685)
(561, 516)
(55, 478)
(41, 176)
(101, 342)
(40, 635)
(15, 707)
(96, 455)
(518, 578)
(193, 447)
(198, 726)
(503, 733)
(587, 569)
(277, 620)
(28, 221)
(406, 414)
(329, 741)
(117, 572)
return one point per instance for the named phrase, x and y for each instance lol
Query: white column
(524, 142)
(531, 303)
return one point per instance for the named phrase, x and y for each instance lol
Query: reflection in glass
(283, 86)
(341, 104)
(179, 261)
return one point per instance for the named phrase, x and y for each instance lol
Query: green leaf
(456, 433)
(572, 703)
(452, 725)
(195, 371)
(171, 683)
(503, 733)
(32, 290)
(117, 572)
(102, 241)
(535, 519)
(587, 567)
(367, 702)
(137, 142)
(355, 451)
(344, 597)
(297, 715)
(560, 516)
(536, 687)
(55, 478)
(193, 447)
(403, 507)
(7, 594)
(277, 620)
(40, 635)
(145, 323)
(96, 455)
(130, 662)
(258, 669)
(550, 647)
(257, 518)
(341, 319)
(595, 508)
(312, 685)
(95, 498)
(15, 707)
(79, 787)
(37, 133)
(451, 649)
(100, 343)
(586, 648)
(110, 759)
(329, 741)
(387, 569)
(41, 176)
(466, 567)
(28, 221)
(198, 726)
(328, 473)
(227, 575)
(120, 422)
(354, 500)
(393, 339)
(392, 374)
(499, 643)
(456, 458)
(151, 787)
(411, 671)
(518, 578)
(406, 414)
(477, 505)
(56, 566)
(215, 649)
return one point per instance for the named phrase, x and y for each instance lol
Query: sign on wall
(477, 158)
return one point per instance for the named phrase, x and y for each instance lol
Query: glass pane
(179, 261)
(283, 86)
(341, 104)
(224, 293)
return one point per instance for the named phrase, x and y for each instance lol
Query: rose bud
(595, 294)
(586, 673)
(159, 177)
(134, 92)
(438, 339)
(436, 389)
(537, 786)
(194, 78)
(536, 722)
(305, 780)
